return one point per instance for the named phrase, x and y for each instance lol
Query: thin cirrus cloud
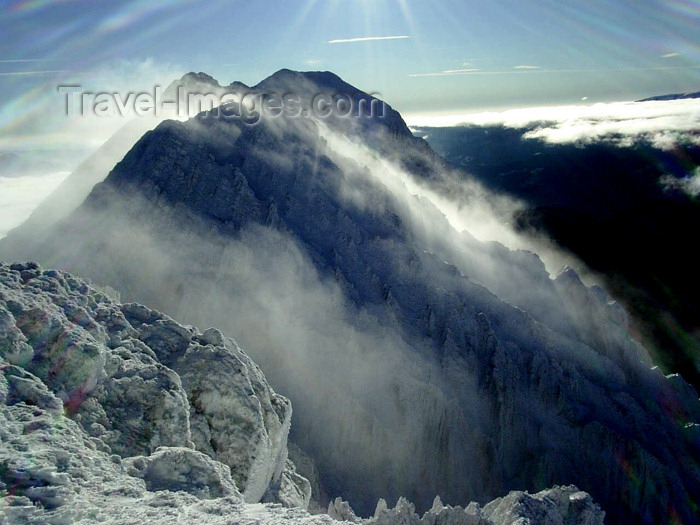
(24, 60)
(367, 39)
(30, 73)
(524, 70)
(28, 61)
(447, 72)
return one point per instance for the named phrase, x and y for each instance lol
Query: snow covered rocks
(556, 506)
(183, 469)
(127, 381)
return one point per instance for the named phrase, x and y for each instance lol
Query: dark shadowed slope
(620, 209)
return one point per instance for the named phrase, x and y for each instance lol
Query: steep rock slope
(619, 207)
(420, 360)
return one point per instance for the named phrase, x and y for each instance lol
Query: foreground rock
(135, 380)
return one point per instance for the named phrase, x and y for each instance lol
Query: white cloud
(690, 184)
(526, 67)
(661, 122)
(453, 71)
(669, 55)
(20, 195)
(447, 72)
(367, 39)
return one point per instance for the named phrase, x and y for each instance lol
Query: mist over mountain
(73, 191)
(15, 165)
(627, 210)
(116, 413)
(419, 359)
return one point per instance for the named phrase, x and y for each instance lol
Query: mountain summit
(419, 359)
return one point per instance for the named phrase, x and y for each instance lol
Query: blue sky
(453, 54)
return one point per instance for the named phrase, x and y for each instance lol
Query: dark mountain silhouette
(675, 96)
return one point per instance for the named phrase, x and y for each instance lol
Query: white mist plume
(463, 212)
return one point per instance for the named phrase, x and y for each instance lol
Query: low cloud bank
(19, 196)
(661, 123)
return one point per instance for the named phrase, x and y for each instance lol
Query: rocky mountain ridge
(435, 362)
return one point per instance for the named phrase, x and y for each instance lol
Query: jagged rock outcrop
(53, 472)
(234, 416)
(136, 381)
(556, 506)
(183, 469)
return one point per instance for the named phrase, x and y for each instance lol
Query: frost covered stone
(556, 506)
(291, 489)
(234, 415)
(560, 505)
(176, 469)
(342, 511)
(135, 381)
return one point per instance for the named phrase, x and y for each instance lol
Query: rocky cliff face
(421, 361)
(620, 208)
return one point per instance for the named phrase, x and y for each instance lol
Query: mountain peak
(381, 117)
(200, 77)
(193, 82)
(236, 85)
(323, 80)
